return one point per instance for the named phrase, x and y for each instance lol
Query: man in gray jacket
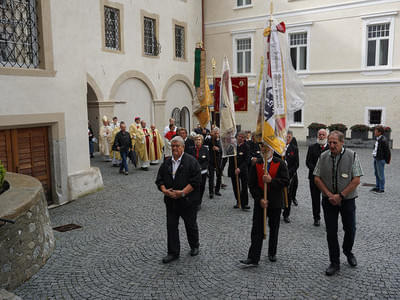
(337, 175)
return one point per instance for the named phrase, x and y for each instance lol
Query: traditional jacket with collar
(313, 153)
(243, 160)
(292, 159)
(280, 179)
(188, 172)
(202, 156)
(215, 156)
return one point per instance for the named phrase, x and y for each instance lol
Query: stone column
(159, 114)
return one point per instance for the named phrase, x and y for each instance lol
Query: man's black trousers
(292, 190)
(316, 200)
(347, 210)
(211, 171)
(189, 216)
(244, 194)
(257, 231)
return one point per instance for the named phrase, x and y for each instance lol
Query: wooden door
(27, 152)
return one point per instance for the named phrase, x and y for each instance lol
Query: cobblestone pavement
(117, 253)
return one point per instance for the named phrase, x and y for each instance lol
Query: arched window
(176, 114)
(185, 118)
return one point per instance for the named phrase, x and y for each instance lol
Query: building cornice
(299, 12)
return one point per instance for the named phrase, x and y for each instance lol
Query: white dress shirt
(175, 165)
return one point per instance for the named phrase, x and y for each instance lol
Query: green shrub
(360, 128)
(2, 174)
(317, 126)
(337, 126)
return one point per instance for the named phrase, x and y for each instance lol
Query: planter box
(362, 135)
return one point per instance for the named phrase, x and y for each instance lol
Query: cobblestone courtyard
(117, 252)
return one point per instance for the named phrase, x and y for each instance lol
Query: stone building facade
(345, 51)
(63, 63)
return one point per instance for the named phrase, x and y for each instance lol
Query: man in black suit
(189, 143)
(292, 161)
(313, 153)
(276, 179)
(201, 153)
(242, 170)
(214, 166)
(255, 151)
(179, 179)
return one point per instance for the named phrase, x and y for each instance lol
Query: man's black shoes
(167, 259)
(317, 223)
(218, 194)
(246, 207)
(375, 189)
(332, 269)
(210, 196)
(351, 259)
(295, 202)
(286, 219)
(249, 262)
(272, 258)
(236, 206)
(194, 251)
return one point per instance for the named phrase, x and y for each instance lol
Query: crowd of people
(189, 160)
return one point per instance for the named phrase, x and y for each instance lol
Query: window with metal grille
(176, 115)
(150, 41)
(112, 28)
(378, 44)
(185, 118)
(243, 3)
(19, 34)
(298, 50)
(179, 41)
(243, 55)
(375, 116)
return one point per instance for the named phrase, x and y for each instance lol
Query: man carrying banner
(276, 178)
(240, 169)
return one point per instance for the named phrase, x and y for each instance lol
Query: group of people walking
(334, 175)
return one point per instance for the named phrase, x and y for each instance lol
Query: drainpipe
(202, 23)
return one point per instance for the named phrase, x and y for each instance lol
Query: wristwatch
(341, 195)
(183, 194)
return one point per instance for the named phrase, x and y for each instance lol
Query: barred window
(378, 44)
(179, 41)
(150, 41)
(112, 28)
(243, 55)
(19, 35)
(298, 50)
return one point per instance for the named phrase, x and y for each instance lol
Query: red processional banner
(240, 93)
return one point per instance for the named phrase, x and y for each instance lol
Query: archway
(93, 112)
(134, 94)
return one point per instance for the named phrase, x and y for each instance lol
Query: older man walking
(337, 175)
(179, 179)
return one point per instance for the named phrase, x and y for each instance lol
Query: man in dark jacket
(214, 166)
(201, 154)
(381, 156)
(123, 144)
(189, 143)
(179, 179)
(276, 179)
(292, 161)
(313, 153)
(241, 170)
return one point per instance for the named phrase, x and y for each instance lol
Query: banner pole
(285, 190)
(265, 196)
(237, 184)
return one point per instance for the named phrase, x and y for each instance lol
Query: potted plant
(3, 183)
(313, 129)
(359, 131)
(339, 127)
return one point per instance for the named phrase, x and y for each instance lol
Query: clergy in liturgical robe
(139, 143)
(147, 138)
(114, 154)
(105, 136)
(157, 145)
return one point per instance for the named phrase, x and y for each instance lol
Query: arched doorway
(93, 112)
(178, 105)
(184, 118)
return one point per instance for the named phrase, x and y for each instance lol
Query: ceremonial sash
(155, 144)
(273, 170)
